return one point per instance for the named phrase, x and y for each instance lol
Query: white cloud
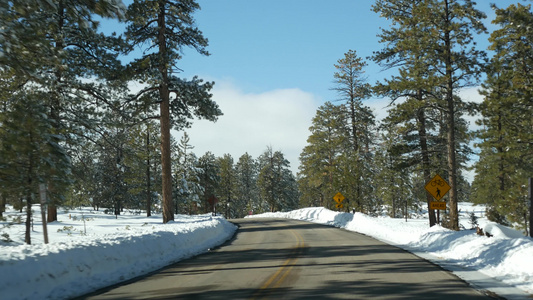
(251, 122)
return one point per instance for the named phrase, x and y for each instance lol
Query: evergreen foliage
(320, 160)
(506, 157)
(276, 183)
(247, 172)
(166, 27)
(356, 165)
(431, 42)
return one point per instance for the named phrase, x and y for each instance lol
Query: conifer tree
(246, 172)
(276, 182)
(320, 159)
(458, 62)
(394, 169)
(352, 89)
(228, 183)
(506, 156)
(433, 39)
(187, 190)
(142, 159)
(406, 51)
(30, 153)
(167, 26)
(209, 177)
(51, 45)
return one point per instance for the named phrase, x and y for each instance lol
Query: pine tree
(459, 63)
(505, 158)
(406, 51)
(168, 26)
(209, 175)
(228, 184)
(394, 169)
(51, 45)
(320, 159)
(141, 158)
(187, 189)
(30, 153)
(247, 192)
(276, 182)
(434, 39)
(352, 89)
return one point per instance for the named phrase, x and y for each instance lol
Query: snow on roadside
(504, 258)
(75, 264)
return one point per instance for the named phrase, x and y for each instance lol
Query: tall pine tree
(167, 26)
(506, 155)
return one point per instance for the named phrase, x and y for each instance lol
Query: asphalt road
(288, 259)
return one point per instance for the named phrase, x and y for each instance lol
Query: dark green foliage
(163, 28)
(506, 157)
(320, 160)
(247, 191)
(226, 190)
(276, 183)
(431, 43)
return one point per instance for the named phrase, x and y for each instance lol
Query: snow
(502, 263)
(89, 250)
(83, 256)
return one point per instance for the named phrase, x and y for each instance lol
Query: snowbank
(77, 264)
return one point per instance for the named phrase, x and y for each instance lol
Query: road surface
(289, 259)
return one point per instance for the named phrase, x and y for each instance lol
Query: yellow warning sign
(339, 198)
(437, 187)
(339, 205)
(437, 205)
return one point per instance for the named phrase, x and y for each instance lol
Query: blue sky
(273, 63)
(279, 44)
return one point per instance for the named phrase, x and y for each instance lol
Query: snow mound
(500, 231)
(84, 264)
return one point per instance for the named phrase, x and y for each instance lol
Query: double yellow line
(277, 278)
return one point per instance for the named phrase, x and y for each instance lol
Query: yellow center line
(274, 281)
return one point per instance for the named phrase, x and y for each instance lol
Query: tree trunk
(501, 165)
(450, 118)
(55, 107)
(3, 201)
(27, 235)
(168, 214)
(52, 212)
(426, 166)
(148, 191)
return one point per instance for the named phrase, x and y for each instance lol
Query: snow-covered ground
(90, 250)
(502, 263)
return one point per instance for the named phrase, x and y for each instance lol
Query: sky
(273, 63)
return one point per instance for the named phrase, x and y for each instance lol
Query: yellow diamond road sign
(437, 187)
(338, 198)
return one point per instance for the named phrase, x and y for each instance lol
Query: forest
(69, 119)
